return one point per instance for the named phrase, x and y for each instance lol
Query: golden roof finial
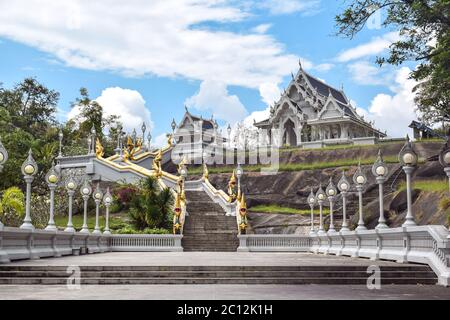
(243, 203)
(233, 177)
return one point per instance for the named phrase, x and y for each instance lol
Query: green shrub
(444, 203)
(12, 207)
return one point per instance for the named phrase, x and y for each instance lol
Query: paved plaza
(224, 292)
(201, 259)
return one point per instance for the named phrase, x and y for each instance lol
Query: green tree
(151, 207)
(424, 28)
(12, 207)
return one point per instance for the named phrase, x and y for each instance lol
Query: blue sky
(231, 58)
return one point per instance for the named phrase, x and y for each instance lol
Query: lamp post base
(409, 223)
(96, 231)
(358, 228)
(51, 227)
(69, 229)
(382, 225)
(106, 232)
(84, 229)
(27, 225)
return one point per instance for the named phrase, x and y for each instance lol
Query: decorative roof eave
(331, 99)
(280, 104)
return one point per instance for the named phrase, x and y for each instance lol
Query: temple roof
(325, 89)
(207, 123)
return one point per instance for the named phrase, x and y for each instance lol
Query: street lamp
(312, 202)
(134, 136)
(444, 157)
(29, 170)
(71, 186)
(174, 126)
(52, 178)
(380, 171)
(331, 192)
(321, 196)
(60, 136)
(360, 180)
(408, 159)
(229, 135)
(85, 191)
(3, 156)
(143, 128)
(107, 200)
(344, 187)
(119, 135)
(98, 196)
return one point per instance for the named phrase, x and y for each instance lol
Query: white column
(381, 220)
(312, 231)
(107, 231)
(85, 228)
(51, 222)
(410, 221)
(27, 221)
(331, 229)
(344, 212)
(361, 225)
(97, 213)
(70, 227)
(321, 230)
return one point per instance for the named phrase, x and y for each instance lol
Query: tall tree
(424, 28)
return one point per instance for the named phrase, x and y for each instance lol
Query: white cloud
(160, 141)
(269, 93)
(324, 67)
(158, 37)
(366, 73)
(214, 98)
(126, 103)
(262, 28)
(376, 46)
(394, 112)
(277, 7)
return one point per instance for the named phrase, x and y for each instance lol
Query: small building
(422, 131)
(312, 114)
(194, 135)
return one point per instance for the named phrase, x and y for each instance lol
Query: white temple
(312, 114)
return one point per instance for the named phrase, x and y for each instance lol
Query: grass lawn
(273, 208)
(291, 167)
(77, 220)
(427, 185)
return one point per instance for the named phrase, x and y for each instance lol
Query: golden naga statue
(99, 151)
(132, 148)
(243, 213)
(156, 166)
(205, 172)
(180, 183)
(170, 140)
(231, 186)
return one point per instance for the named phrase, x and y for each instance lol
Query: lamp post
(52, 178)
(174, 126)
(408, 159)
(71, 186)
(119, 135)
(331, 192)
(380, 171)
(312, 202)
(86, 191)
(60, 136)
(143, 129)
(360, 180)
(3, 159)
(134, 136)
(320, 196)
(29, 170)
(344, 187)
(239, 174)
(229, 135)
(93, 134)
(107, 200)
(98, 196)
(444, 158)
(3, 156)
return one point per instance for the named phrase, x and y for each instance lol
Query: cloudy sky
(145, 60)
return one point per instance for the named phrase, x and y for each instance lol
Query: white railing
(279, 243)
(147, 242)
(21, 244)
(418, 244)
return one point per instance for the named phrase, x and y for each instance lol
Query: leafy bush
(12, 207)
(149, 207)
(131, 230)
